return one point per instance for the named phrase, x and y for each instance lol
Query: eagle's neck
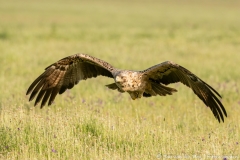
(129, 80)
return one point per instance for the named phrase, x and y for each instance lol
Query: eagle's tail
(159, 89)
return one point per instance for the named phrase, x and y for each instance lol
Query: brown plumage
(67, 72)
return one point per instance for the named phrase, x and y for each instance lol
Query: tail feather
(160, 90)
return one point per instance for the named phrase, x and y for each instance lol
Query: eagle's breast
(130, 81)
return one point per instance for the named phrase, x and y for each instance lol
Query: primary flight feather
(65, 73)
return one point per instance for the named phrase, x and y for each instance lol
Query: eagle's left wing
(169, 72)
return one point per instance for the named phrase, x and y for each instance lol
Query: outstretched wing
(169, 72)
(64, 74)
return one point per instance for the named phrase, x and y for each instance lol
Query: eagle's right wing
(64, 74)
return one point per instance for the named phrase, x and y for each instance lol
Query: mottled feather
(169, 72)
(64, 74)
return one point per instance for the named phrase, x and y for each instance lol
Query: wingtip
(35, 104)
(42, 105)
(50, 103)
(220, 119)
(27, 92)
(31, 98)
(219, 95)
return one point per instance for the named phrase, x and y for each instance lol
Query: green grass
(92, 122)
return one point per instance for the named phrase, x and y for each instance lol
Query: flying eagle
(65, 73)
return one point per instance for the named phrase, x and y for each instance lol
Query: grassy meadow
(93, 122)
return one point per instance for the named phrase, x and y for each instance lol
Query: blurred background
(203, 36)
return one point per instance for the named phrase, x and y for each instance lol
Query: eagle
(67, 72)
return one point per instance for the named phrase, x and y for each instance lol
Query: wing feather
(169, 72)
(44, 74)
(36, 89)
(39, 97)
(46, 96)
(64, 74)
(53, 95)
(77, 73)
(67, 79)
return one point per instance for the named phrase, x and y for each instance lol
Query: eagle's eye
(118, 79)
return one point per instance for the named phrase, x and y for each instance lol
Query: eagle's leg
(135, 94)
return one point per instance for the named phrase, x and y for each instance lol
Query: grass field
(92, 122)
